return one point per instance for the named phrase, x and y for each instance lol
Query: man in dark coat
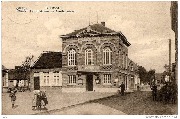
(154, 92)
(122, 86)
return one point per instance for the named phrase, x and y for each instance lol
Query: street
(56, 99)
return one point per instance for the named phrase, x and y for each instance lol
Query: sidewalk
(56, 99)
(89, 109)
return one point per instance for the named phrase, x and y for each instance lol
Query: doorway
(36, 83)
(89, 82)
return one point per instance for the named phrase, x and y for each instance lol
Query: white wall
(55, 79)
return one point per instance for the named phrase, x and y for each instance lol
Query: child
(13, 97)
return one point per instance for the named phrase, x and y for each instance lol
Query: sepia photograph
(89, 58)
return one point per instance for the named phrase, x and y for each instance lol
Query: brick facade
(117, 71)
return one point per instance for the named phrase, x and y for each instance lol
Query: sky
(146, 25)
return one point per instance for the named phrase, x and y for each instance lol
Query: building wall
(48, 77)
(5, 80)
(12, 83)
(117, 69)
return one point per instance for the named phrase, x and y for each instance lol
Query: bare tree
(25, 69)
(26, 66)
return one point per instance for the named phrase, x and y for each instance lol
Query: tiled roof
(95, 30)
(49, 60)
(12, 74)
(95, 27)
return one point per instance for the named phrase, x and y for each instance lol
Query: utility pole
(97, 16)
(169, 59)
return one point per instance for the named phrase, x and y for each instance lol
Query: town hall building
(95, 58)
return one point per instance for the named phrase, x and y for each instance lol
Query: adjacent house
(134, 76)
(47, 71)
(17, 77)
(95, 58)
(4, 77)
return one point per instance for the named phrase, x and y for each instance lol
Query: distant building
(4, 76)
(95, 58)
(133, 72)
(47, 71)
(16, 77)
(159, 78)
(12, 80)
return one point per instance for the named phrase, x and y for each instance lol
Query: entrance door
(89, 82)
(36, 83)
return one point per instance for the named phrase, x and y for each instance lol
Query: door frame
(89, 82)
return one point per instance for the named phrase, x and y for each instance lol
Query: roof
(18, 74)
(12, 74)
(95, 30)
(49, 60)
(3, 67)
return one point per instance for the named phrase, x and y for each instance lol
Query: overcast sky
(146, 25)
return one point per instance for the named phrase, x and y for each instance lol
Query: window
(46, 79)
(71, 57)
(89, 57)
(107, 56)
(123, 61)
(72, 79)
(132, 67)
(56, 78)
(126, 61)
(107, 78)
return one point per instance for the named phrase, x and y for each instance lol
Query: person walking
(38, 103)
(34, 102)
(44, 98)
(122, 86)
(13, 97)
(154, 92)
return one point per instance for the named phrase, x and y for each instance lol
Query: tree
(142, 74)
(151, 76)
(27, 66)
(23, 71)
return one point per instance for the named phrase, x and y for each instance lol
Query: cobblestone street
(56, 99)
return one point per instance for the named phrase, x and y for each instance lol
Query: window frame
(56, 79)
(71, 57)
(107, 79)
(89, 57)
(46, 78)
(72, 80)
(107, 56)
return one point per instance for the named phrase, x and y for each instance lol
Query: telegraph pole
(169, 59)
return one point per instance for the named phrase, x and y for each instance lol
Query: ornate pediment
(88, 32)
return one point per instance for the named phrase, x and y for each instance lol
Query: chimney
(103, 23)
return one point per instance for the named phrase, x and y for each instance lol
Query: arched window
(107, 55)
(71, 57)
(89, 57)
